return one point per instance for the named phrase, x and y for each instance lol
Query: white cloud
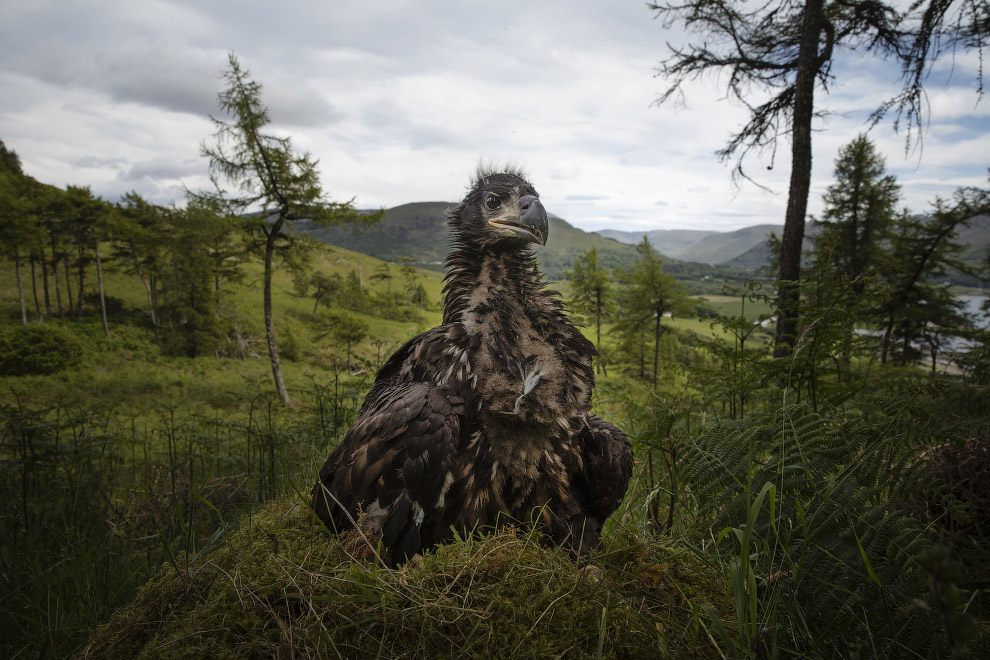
(400, 101)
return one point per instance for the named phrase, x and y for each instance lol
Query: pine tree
(16, 228)
(592, 294)
(649, 294)
(281, 186)
(859, 210)
(918, 298)
(141, 234)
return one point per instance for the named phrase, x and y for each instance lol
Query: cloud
(161, 168)
(586, 198)
(400, 101)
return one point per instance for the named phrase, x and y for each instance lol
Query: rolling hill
(419, 231)
(671, 242)
(723, 247)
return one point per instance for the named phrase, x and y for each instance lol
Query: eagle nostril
(526, 201)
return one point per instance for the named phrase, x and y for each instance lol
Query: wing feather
(392, 465)
(608, 466)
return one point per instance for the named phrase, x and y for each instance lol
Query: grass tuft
(280, 586)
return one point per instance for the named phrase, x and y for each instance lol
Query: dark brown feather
(484, 418)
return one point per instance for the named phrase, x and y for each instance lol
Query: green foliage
(735, 373)
(98, 499)
(284, 185)
(646, 296)
(913, 274)
(291, 350)
(591, 291)
(38, 350)
(820, 531)
(859, 209)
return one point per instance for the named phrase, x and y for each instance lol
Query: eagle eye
(492, 202)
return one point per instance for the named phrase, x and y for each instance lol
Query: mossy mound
(281, 587)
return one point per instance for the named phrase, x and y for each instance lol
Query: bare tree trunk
(44, 283)
(151, 298)
(642, 351)
(598, 330)
(788, 294)
(20, 285)
(34, 288)
(82, 274)
(269, 324)
(68, 281)
(58, 293)
(656, 349)
(103, 302)
(885, 345)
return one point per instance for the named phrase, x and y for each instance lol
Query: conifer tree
(649, 294)
(279, 185)
(914, 269)
(777, 55)
(591, 294)
(859, 210)
(141, 235)
(16, 227)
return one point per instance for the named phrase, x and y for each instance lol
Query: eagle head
(501, 208)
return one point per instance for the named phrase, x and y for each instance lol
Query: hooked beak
(531, 224)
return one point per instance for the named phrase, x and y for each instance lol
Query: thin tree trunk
(788, 294)
(82, 274)
(44, 283)
(34, 287)
(885, 345)
(269, 324)
(656, 350)
(68, 281)
(103, 301)
(151, 298)
(598, 328)
(58, 293)
(642, 351)
(20, 285)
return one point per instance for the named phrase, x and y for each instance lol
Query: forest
(811, 451)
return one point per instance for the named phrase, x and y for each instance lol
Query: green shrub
(38, 350)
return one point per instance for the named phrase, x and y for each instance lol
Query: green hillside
(723, 247)
(671, 242)
(975, 240)
(419, 231)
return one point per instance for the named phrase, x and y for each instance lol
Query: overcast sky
(399, 101)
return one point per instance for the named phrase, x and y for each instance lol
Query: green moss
(280, 586)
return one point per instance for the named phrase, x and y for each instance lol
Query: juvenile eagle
(486, 417)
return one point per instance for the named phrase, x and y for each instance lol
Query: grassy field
(160, 502)
(134, 458)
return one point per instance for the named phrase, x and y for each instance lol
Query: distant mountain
(723, 247)
(419, 231)
(671, 242)
(753, 259)
(975, 240)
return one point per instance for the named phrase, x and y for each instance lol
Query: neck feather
(506, 272)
